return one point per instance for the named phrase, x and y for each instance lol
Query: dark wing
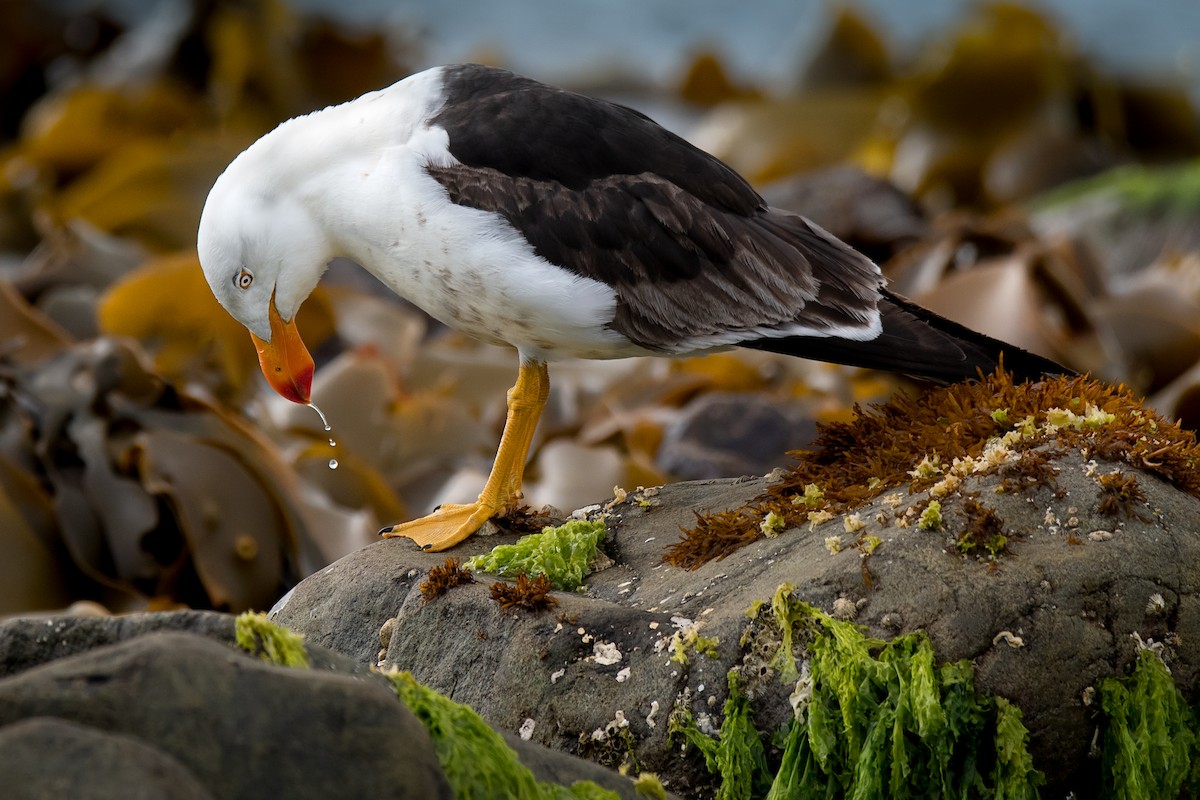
(915, 341)
(525, 129)
(695, 256)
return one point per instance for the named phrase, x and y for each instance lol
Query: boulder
(1068, 602)
(45, 757)
(243, 728)
(158, 705)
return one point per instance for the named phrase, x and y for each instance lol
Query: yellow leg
(450, 523)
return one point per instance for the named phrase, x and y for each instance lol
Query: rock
(243, 728)
(113, 689)
(868, 213)
(1052, 616)
(728, 433)
(27, 642)
(46, 757)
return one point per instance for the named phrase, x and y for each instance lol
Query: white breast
(468, 268)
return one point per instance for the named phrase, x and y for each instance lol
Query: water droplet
(333, 464)
(320, 414)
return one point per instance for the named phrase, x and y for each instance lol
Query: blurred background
(1027, 169)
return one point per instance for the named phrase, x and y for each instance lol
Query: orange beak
(285, 360)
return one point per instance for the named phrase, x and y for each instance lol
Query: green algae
(1174, 189)
(873, 719)
(682, 644)
(931, 517)
(1150, 747)
(649, 786)
(560, 553)
(476, 760)
(881, 719)
(737, 754)
(272, 643)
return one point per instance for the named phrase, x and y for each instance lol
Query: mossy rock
(1044, 572)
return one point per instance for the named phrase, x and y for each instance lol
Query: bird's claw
(448, 525)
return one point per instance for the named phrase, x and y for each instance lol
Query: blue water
(765, 42)
(762, 40)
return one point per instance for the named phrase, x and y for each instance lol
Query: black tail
(917, 342)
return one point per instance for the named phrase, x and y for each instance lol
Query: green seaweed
(271, 642)
(873, 719)
(1150, 745)
(682, 643)
(476, 760)
(560, 553)
(649, 786)
(737, 754)
(786, 616)
(882, 720)
(1174, 189)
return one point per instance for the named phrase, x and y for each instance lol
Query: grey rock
(1069, 603)
(727, 433)
(869, 213)
(44, 757)
(1122, 233)
(27, 642)
(243, 728)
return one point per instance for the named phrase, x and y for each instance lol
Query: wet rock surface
(1065, 605)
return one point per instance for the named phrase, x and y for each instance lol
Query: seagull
(557, 223)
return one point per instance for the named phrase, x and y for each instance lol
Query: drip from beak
(285, 360)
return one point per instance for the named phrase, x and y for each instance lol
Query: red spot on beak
(285, 360)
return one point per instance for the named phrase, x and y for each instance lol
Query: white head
(263, 253)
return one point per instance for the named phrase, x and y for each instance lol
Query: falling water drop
(333, 464)
(320, 414)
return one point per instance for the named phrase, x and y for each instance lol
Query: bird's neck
(359, 169)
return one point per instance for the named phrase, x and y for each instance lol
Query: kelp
(129, 466)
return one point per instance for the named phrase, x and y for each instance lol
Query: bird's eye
(243, 280)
